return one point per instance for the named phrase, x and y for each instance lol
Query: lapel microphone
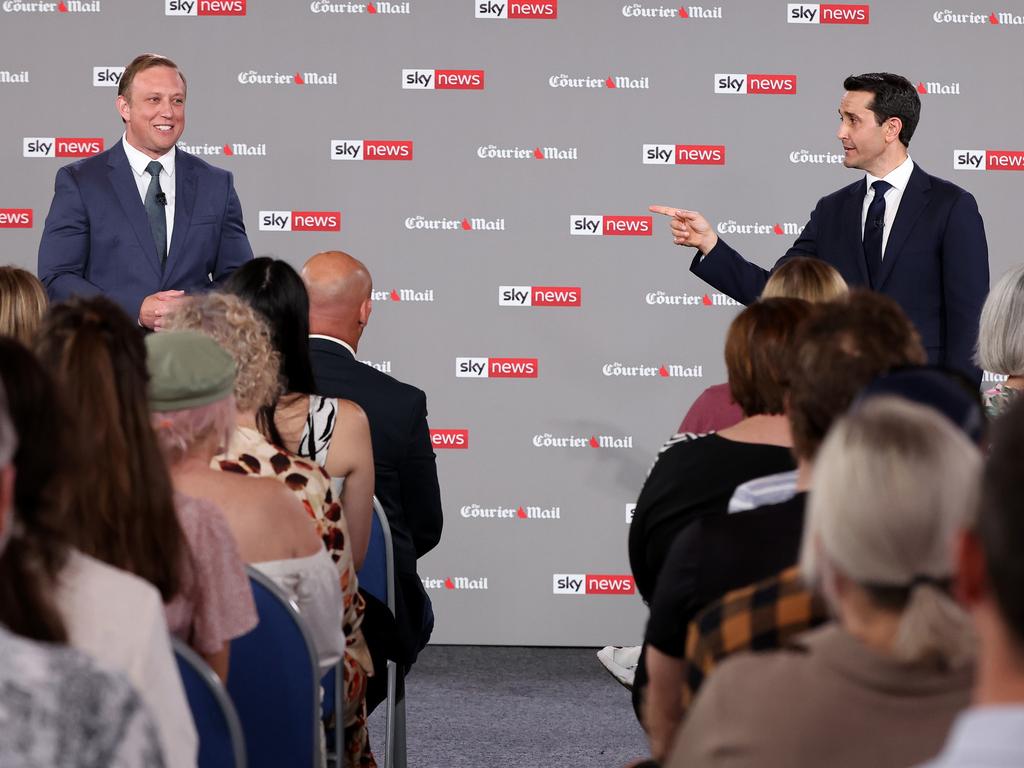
(161, 198)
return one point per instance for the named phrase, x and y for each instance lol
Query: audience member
(22, 304)
(127, 513)
(241, 331)
(190, 387)
(53, 593)
(406, 470)
(1001, 340)
(893, 482)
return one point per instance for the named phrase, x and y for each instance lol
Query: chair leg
(399, 730)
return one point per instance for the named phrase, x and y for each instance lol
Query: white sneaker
(621, 662)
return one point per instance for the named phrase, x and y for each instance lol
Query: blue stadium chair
(221, 743)
(377, 576)
(274, 682)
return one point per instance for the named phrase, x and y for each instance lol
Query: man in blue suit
(143, 222)
(900, 231)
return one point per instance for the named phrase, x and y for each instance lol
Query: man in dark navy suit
(899, 231)
(406, 471)
(143, 222)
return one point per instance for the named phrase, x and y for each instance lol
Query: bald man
(339, 308)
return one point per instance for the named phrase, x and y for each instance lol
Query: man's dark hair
(894, 96)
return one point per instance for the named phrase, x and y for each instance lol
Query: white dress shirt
(984, 737)
(138, 161)
(898, 177)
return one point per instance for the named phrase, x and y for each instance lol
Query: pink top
(215, 604)
(713, 411)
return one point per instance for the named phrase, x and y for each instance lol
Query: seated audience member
(801, 277)
(839, 349)
(53, 593)
(190, 393)
(58, 708)
(1001, 340)
(241, 331)
(990, 583)
(334, 433)
(127, 513)
(405, 466)
(881, 685)
(22, 304)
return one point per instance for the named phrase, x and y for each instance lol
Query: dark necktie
(156, 204)
(874, 227)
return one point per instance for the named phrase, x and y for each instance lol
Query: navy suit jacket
(935, 264)
(406, 475)
(97, 237)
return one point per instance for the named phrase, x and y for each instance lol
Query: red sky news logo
(661, 298)
(509, 9)
(827, 13)
(772, 85)
(204, 7)
(15, 218)
(592, 584)
(61, 147)
(496, 367)
(938, 89)
(450, 438)
(988, 160)
(684, 154)
(539, 296)
(585, 224)
(443, 79)
(733, 227)
(106, 77)
(379, 8)
(252, 77)
(370, 149)
(548, 440)
(403, 294)
(522, 512)
(636, 10)
(950, 17)
(300, 221)
(454, 582)
(70, 6)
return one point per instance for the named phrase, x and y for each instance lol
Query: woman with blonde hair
(1001, 340)
(22, 304)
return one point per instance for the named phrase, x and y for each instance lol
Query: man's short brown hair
(141, 63)
(843, 346)
(758, 350)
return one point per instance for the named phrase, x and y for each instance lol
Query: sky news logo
(988, 160)
(370, 149)
(586, 224)
(454, 582)
(450, 438)
(106, 77)
(70, 6)
(684, 154)
(380, 8)
(60, 147)
(204, 7)
(517, 10)
(592, 584)
(539, 296)
(522, 512)
(443, 79)
(15, 218)
(661, 298)
(496, 367)
(830, 13)
(771, 85)
(300, 221)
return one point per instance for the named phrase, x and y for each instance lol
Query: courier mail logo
(638, 11)
(684, 154)
(733, 227)
(938, 89)
(539, 296)
(1002, 17)
(252, 77)
(496, 367)
(589, 224)
(493, 152)
(988, 160)
(15, 218)
(7, 77)
(522, 512)
(454, 582)
(204, 7)
(592, 584)
(443, 79)
(664, 371)
(592, 81)
(548, 440)
(403, 294)
(300, 221)
(450, 438)
(516, 10)
(370, 149)
(106, 77)
(225, 150)
(69, 6)
(661, 298)
(467, 224)
(770, 85)
(60, 147)
(380, 8)
(812, 13)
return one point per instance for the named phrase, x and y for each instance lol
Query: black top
(692, 477)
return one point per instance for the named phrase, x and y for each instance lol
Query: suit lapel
(184, 199)
(914, 200)
(127, 193)
(853, 237)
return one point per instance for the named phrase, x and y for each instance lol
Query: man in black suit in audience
(406, 472)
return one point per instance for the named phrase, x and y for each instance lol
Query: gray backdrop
(493, 578)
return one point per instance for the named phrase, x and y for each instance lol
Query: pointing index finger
(664, 210)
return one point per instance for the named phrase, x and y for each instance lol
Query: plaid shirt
(761, 617)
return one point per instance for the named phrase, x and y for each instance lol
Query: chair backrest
(221, 743)
(377, 576)
(274, 682)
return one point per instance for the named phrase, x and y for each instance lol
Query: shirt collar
(139, 160)
(899, 176)
(335, 340)
(985, 730)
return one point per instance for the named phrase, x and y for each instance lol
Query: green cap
(186, 370)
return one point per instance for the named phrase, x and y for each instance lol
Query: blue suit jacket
(935, 263)
(97, 237)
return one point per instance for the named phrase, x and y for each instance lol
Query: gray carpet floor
(477, 707)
